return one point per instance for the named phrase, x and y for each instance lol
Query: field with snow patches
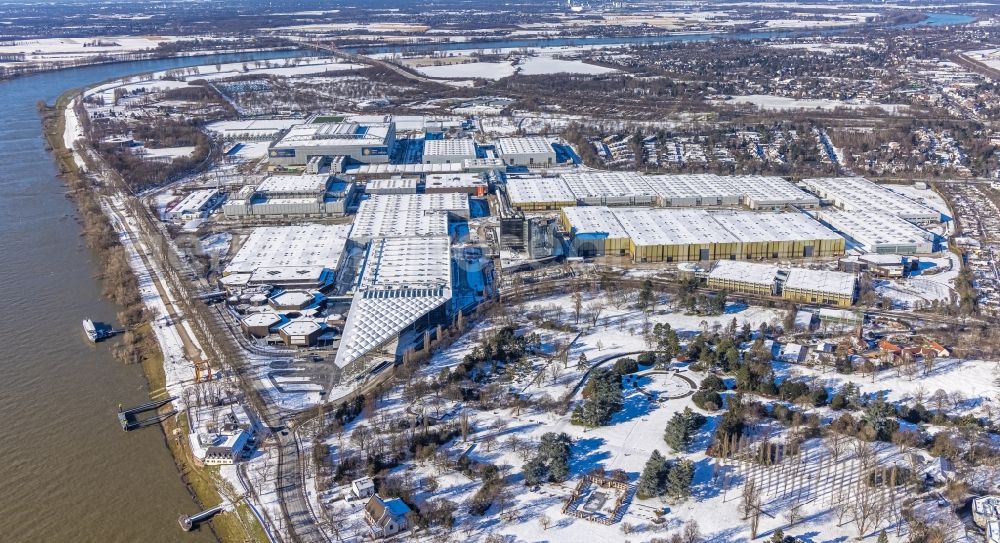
(781, 103)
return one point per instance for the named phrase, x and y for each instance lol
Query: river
(69, 472)
(933, 19)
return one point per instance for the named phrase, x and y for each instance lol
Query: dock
(188, 522)
(130, 418)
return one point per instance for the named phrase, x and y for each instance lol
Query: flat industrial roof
(450, 147)
(594, 220)
(391, 169)
(299, 246)
(544, 189)
(194, 201)
(395, 215)
(745, 272)
(821, 281)
(873, 228)
(673, 226)
(297, 184)
(858, 193)
(531, 145)
(771, 190)
(453, 180)
(607, 184)
(408, 183)
(316, 134)
(692, 186)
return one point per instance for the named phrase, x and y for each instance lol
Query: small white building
(196, 205)
(363, 487)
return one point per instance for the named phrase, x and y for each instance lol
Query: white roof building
(860, 194)
(393, 185)
(879, 232)
(594, 220)
(838, 283)
(533, 151)
(609, 188)
(738, 271)
(542, 192)
(300, 255)
(763, 192)
(401, 281)
(694, 190)
(398, 215)
(197, 204)
(449, 151)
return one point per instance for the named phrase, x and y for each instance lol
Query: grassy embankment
(202, 482)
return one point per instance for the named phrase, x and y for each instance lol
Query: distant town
(605, 271)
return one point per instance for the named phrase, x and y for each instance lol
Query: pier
(130, 420)
(188, 522)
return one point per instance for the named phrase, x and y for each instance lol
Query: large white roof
(767, 190)
(401, 280)
(544, 189)
(594, 220)
(874, 228)
(450, 147)
(746, 272)
(299, 247)
(596, 184)
(705, 185)
(858, 193)
(395, 215)
(336, 133)
(821, 281)
(671, 226)
(531, 145)
(295, 184)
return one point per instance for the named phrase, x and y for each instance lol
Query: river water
(933, 19)
(68, 471)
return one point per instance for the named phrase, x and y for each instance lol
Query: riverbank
(135, 57)
(203, 483)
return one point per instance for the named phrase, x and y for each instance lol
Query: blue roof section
(361, 130)
(397, 507)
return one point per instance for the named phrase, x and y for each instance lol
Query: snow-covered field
(537, 65)
(781, 103)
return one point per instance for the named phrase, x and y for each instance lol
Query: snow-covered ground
(781, 103)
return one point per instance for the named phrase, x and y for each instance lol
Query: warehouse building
(396, 184)
(398, 215)
(531, 152)
(304, 256)
(404, 285)
(770, 192)
(362, 142)
(450, 151)
(880, 233)
(820, 286)
(292, 196)
(539, 194)
(597, 188)
(472, 184)
(595, 231)
(697, 190)
(683, 235)
(744, 277)
(860, 194)
(196, 205)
